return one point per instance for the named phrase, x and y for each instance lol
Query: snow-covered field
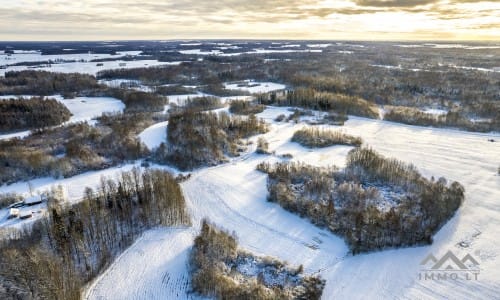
(255, 87)
(75, 63)
(91, 68)
(234, 196)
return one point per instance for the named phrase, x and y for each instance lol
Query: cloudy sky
(259, 19)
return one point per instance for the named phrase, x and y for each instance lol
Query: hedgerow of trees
(374, 203)
(74, 243)
(214, 271)
(414, 116)
(313, 137)
(22, 114)
(324, 101)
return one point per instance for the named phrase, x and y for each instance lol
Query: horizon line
(252, 39)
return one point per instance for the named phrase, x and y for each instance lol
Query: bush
(314, 137)
(262, 146)
(280, 118)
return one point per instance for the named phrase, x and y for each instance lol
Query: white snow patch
(154, 135)
(435, 111)
(255, 87)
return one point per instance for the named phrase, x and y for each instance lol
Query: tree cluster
(196, 139)
(137, 101)
(374, 203)
(22, 114)
(198, 104)
(215, 259)
(46, 83)
(73, 149)
(324, 101)
(316, 138)
(242, 107)
(413, 116)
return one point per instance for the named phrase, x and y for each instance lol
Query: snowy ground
(234, 196)
(81, 62)
(255, 87)
(154, 135)
(91, 68)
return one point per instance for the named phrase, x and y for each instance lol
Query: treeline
(316, 138)
(22, 114)
(324, 101)
(215, 261)
(75, 148)
(374, 203)
(196, 139)
(413, 116)
(242, 107)
(74, 243)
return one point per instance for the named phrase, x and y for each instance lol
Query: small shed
(33, 200)
(13, 213)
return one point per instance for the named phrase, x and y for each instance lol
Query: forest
(33, 113)
(350, 84)
(216, 271)
(197, 139)
(62, 252)
(412, 79)
(374, 203)
(44, 83)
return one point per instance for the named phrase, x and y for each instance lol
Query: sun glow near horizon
(238, 19)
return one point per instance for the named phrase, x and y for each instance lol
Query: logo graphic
(449, 266)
